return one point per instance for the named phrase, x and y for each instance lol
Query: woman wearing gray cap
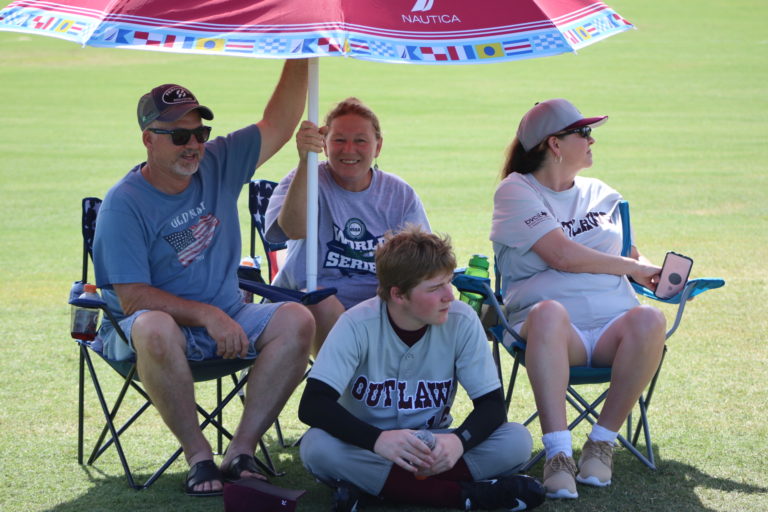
(557, 238)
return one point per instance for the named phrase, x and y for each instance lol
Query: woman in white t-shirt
(557, 239)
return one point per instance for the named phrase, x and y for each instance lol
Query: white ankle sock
(556, 442)
(602, 434)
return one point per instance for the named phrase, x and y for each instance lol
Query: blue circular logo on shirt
(354, 229)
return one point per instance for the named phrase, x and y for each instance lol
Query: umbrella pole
(311, 241)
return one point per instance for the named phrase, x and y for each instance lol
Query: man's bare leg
(283, 351)
(163, 368)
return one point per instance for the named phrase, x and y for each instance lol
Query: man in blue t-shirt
(166, 251)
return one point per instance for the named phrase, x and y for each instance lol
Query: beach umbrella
(399, 31)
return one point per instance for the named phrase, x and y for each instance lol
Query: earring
(376, 164)
(559, 159)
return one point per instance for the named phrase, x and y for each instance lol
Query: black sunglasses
(180, 136)
(584, 131)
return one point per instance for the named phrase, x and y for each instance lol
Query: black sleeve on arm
(486, 416)
(320, 408)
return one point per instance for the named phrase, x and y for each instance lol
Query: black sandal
(242, 462)
(203, 471)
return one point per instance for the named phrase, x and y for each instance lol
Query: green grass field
(688, 101)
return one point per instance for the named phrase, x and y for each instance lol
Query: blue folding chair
(505, 336)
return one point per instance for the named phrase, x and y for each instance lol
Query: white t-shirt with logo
(351, 225)
(524, 211)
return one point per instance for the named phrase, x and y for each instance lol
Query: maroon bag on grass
(254, 495)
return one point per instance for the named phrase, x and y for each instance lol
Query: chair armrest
(102, 305)
(88, 303)
(692, 288)
(316, 296)
(482, 286)
(278, 294)
(472, 284)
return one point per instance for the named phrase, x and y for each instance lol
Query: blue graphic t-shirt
(351, 225)
(187, 244)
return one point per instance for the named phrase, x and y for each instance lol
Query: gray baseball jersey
(390, 385)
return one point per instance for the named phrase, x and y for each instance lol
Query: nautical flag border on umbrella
(397, 31)
(93, 27)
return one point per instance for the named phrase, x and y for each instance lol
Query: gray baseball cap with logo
(168, 102)
(551, 116)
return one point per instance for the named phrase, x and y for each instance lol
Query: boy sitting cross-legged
(390, 367)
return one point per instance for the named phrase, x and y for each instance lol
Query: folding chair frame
(259, 192)
(201, 371)
(585, 375)
(213, 417)
(588, 410)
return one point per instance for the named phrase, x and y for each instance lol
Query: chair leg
(279, 432)
(642, 425)
(100, 448)
(212, 418)
(647, 459)
(219, 434)
(267, 465)
(215, 418)
(81, 406)
(649, 393)
(110, 424)
(497, 362)
(585, 409)
(512, 380)
(588, 411)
